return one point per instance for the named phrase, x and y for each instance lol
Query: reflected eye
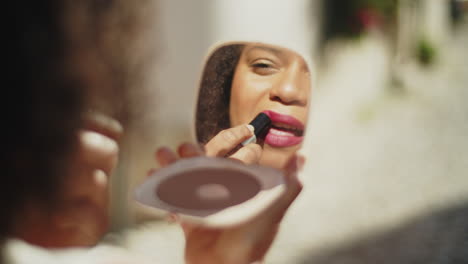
(264, 67)
(261, 65)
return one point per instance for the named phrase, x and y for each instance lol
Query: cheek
(247, 96)
(277, 158)
(237, 103)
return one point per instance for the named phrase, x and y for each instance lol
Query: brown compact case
(210, 191)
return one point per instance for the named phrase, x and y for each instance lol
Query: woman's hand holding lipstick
(228, 143)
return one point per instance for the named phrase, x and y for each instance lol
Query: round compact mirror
(210, 191)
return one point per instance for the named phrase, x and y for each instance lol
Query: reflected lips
(285, 131)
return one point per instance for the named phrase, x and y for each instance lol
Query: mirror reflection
(238, 82)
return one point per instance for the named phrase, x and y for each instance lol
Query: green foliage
(426, 52)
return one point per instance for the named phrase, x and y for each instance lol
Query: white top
(19, 252)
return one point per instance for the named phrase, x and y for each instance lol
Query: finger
(88, 186)
(97, 151)
(84, 205)
(187, 228)
(188, 150)
(103, 124)
(228, 139)
(203, 236)
(165, 156)
(249, 154)
(100, 179)
(151, 171)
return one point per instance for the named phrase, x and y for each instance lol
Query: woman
(242, 80)
(57, 156)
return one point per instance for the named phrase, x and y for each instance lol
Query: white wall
(436, 20)
(289, 23)
(164, 118)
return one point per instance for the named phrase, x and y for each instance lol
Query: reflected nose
(291, 88)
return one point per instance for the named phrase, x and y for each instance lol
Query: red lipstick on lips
(285, 130)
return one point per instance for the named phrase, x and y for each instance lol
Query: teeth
(281, 132)
(284, 126)
(289, 128)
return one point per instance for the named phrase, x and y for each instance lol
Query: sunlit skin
(268, 78)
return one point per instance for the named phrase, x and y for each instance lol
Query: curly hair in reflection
(215, 91)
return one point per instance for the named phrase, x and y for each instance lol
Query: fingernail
(108, 122)
(251, 128)
(100, 178)
(163, 151)
(116, 126)
(94, 139)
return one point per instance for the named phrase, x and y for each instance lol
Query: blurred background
(386, 178)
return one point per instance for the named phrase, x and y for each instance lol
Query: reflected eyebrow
(283, 54)
(277, 52)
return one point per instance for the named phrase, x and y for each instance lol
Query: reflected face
(275, 81)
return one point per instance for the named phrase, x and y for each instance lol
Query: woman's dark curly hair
(41, 107)
(45, 93)
(212, 114)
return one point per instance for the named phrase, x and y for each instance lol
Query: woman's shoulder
(17, 251)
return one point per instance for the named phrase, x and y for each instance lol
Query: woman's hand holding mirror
(245, 242)
(229, 211)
